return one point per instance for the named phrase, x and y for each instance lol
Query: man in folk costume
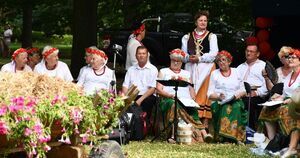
(18, 63)
(251, 72)
(202, 47)
(135, 40)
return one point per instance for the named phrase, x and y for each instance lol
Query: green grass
(145, 149)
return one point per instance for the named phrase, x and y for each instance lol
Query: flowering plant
(30, 121)
(19, 121)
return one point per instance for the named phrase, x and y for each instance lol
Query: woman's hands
(276, 97)
(287, 101)
(221, 96)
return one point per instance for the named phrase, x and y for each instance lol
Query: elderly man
(143, 75)
(19, 62)
(251, 72)
(51, 66)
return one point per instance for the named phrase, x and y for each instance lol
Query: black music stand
(248, 91)
(175, 84)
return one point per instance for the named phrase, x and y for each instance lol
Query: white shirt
(144, 78)
(253, 75)
(92, 83)
(281, 77)
(81, 70)
(288, 90)
(11, 67)
(207, 57)
(132, 45)
(8, 33)
(61, 70)
(167, 74)
(229, 86)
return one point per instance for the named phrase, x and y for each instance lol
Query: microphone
(117, 47)
(158, 19)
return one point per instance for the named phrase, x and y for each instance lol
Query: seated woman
(285, 69)
(51, 66)
(98, 75)
(34, 57)
(226, 89)
(88, 58)
(280, 115)
(282, 71)
(19, 62)
(167, 93)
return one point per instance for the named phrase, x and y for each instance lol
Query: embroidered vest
(203, 45)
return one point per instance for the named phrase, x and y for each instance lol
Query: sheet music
(187, 102)
(227, 100)
(271, 103)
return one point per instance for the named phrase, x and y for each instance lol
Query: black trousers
(254, 110)
(148, 104)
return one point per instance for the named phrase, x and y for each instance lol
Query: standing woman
(202, 47)
(226, 89)
(51, 66)
(18, 63)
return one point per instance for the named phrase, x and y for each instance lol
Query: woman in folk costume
(51, 66)
(225, 89)
(18, 63)
(34, 57)
(202, 47)
(167, 93)
(280, 115)
(97, 76)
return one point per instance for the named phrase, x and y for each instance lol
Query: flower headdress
(49, 50)
(96, 51)
(178, 54)
(17, 52)
(32, 50)
(139, 30)
(295, 52)
(226, 54)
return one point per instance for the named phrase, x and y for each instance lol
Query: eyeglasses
(223, 60)
(290, 57)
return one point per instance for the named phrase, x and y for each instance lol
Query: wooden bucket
(184, 135)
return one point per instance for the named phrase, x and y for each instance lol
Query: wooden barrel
(184, 134)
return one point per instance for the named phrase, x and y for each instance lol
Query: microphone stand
(113, 81)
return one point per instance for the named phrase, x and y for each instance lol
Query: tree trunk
(27, 25)
(84, 32)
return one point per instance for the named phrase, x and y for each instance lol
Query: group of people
(220, 92)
